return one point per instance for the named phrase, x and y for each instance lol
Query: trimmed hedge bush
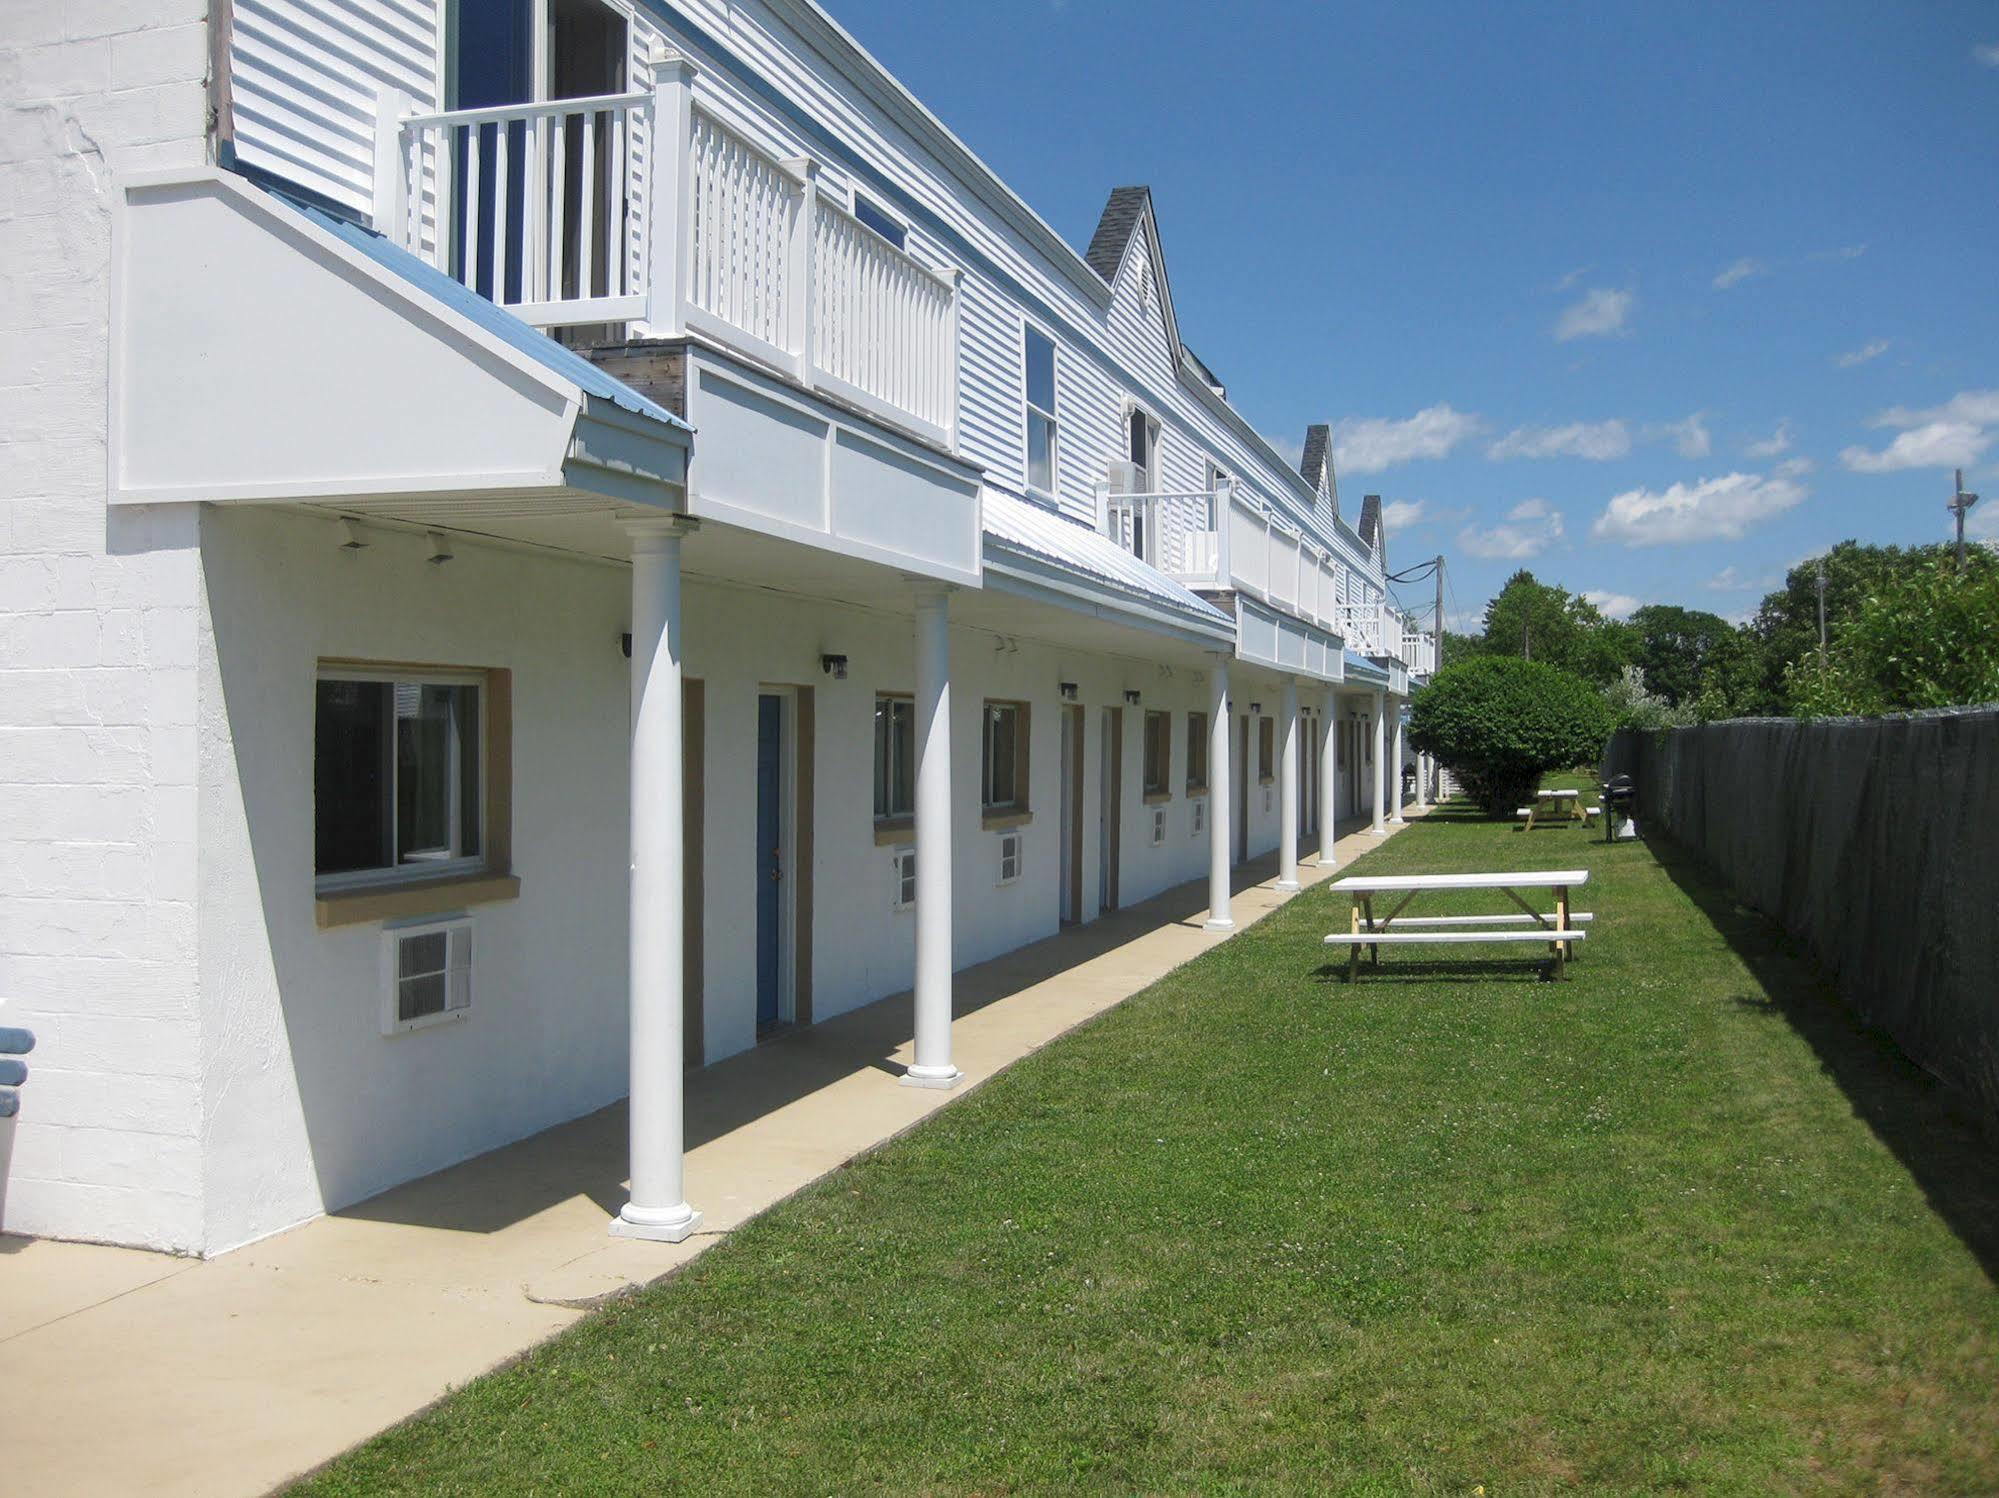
(1500, 723)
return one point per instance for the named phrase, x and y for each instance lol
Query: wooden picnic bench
(1557, 806)
(1559, 928)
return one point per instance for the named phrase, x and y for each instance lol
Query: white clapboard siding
(305, 78)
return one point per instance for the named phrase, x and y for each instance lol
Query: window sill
(1195, 792)
(1158, 798)
(1002, 821)
(394, 902)
(1266, 780)
(894, 832)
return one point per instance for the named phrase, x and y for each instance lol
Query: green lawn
(1672, 1224)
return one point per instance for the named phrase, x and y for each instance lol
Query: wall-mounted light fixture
(1255, 709)
(1068, 690)
(625, 643)
(834, 666)
(350, 536)
(1131, 696)
(440, 548)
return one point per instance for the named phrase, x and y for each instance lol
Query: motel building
(550, 541)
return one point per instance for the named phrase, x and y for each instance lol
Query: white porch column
(932, 1066)
(1221, 796)
(1287, 790)
(658, 1208)
(1395, 768)
(1329, 784)
(1380, 760)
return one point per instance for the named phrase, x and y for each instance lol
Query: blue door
(770, 865)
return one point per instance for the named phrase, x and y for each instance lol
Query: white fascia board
(1029, 577)
(254, 357)
(622, 455)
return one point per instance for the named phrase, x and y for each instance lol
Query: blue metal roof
(1360, 665)
(487, 315)
(1022, 526)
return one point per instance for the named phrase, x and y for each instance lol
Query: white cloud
(1935, 444)
(1863, 354)
(1952, 435)
(1773, 446)
(1597, 440)
(1398, 513)
(1616, 605)
(1530, 528)
(1739, 272)
(1989, 55)
(1710, 510)
(1572, 277)
(1368, 444)
(1691, 437)
(1794, 468)
(1982, 523)
(1841, 252)
(1599, 314)
(1728, 580)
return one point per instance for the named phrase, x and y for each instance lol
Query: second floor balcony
(1222, 540)
(641, 214)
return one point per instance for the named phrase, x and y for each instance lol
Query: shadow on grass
(1464, 970)
(1937, 1134)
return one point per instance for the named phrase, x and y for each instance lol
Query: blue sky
(1653, 301)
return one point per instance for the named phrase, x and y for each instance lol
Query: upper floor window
(895, 758)
(398, 774)
(1217, 476)
(1003, 757)
(879, 219)
(1038, 361)
(1143, 450)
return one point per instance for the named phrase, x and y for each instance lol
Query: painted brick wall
(99, 617)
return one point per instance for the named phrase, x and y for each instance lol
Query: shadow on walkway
(1937, 1134)
(588, 1156)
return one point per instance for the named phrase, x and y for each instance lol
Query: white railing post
(1100, 493)
(670, 226)
(956, 277)
(1224, 523)
(799, 276)
(393, 193)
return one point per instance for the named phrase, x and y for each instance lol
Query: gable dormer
(1125, 251)
(1370, 531)
(1316, 467)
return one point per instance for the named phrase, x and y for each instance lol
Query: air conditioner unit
(427, 974)
(1124, 478)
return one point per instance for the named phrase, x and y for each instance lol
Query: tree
(1678, 648)
(1499, 723)
(1632, 705)
(1539, 621)
(1924, 637)
(1786, 627)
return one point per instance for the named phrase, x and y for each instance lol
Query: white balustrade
(539, 207)
(884, 325)
(745, 209)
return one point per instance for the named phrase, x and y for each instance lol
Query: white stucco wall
(98, 621)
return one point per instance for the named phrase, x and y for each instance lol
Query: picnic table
(1556, 806)
(1559, 928)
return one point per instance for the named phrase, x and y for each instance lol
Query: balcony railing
(644, 210)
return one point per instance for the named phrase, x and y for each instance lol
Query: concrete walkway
(136, 1372)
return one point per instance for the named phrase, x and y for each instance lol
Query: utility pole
(1440, 610)
(1821, 586)
(1960, 505)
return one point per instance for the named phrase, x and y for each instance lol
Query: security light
(834, 666)
(440, 548)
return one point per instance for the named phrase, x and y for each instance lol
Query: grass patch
(1672, 1224)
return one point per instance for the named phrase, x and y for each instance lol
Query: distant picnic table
(1559, 928)
(1556, 806)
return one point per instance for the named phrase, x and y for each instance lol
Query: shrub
(1500, 723)
(1632, 705)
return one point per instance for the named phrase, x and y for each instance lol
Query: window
(1200, 816)
(429, 970)
(397, 775)
(1009, 861)
(1197, 754)
(1003, 757)
(903, 860)
(1158, 826)
(877, 218)
(1038, 359)
(1217, 476)
(1143, 450)
(1266, 748)
(895, 758)
(1158, 754)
